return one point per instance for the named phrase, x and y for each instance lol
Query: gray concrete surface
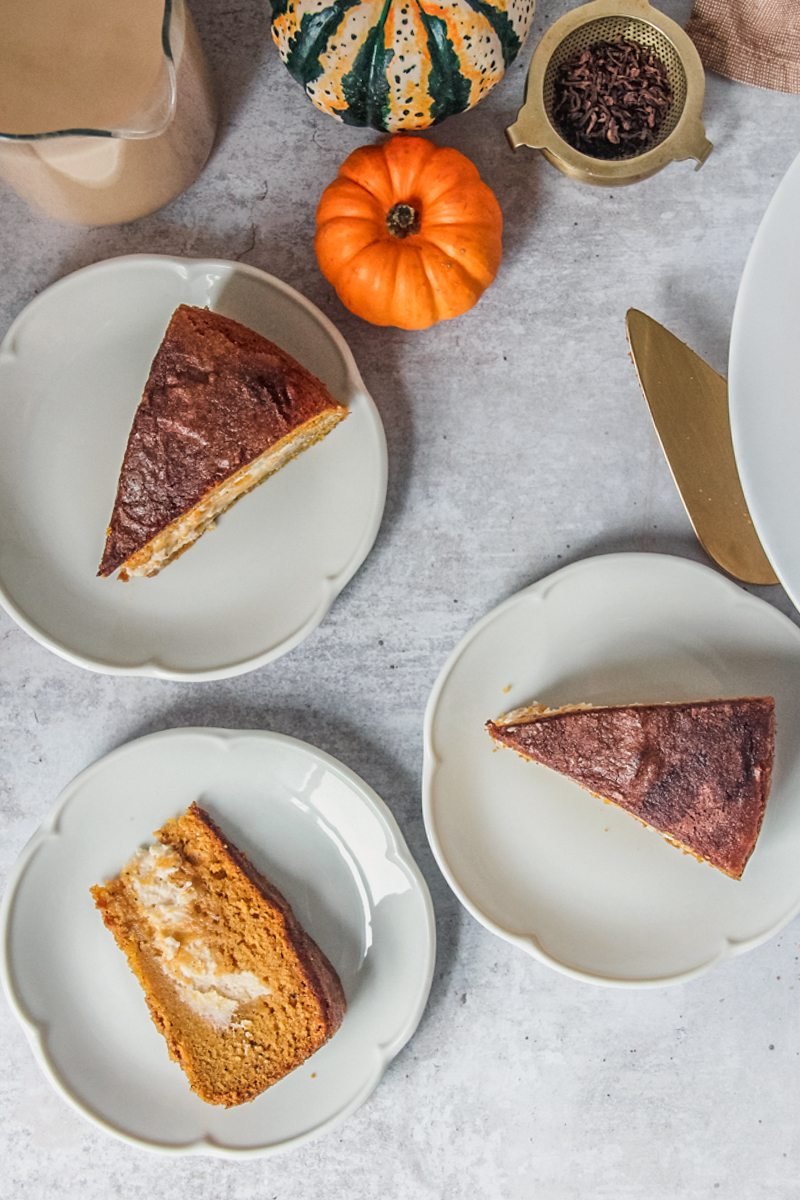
(518, 441)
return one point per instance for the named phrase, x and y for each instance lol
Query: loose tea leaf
(610, 100)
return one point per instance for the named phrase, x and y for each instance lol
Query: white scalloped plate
(579, 884)
(318, 832)
(763, 374)
(72, 369)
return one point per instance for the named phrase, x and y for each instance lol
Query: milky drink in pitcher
(106, 112)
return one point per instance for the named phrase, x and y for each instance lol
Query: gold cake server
(688, 402)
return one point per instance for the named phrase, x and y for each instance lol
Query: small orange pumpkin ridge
(408, 233)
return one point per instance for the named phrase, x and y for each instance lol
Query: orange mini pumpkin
(408, 234)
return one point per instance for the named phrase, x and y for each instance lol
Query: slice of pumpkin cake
(699, 773)
(223, 408)
(239, 990)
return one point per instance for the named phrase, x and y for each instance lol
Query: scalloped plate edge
(397, 853)
(729, 948)
(331, 586)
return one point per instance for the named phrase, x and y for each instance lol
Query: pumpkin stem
(402, 219)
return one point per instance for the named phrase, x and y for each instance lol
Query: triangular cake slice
(223, 408)
(237, 987)
(697, 772)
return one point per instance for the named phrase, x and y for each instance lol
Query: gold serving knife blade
(688, 402)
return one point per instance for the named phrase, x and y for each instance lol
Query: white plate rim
(737, 400)
(529, 943)
(332, 585)
(385, 1052)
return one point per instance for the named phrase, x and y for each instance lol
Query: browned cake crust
(699, 773)
(217, 397)
(239, 990)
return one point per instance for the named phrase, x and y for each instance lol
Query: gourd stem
(403, 219)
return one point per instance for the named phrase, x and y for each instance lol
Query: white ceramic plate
(72, 369)
(579, 884)
(764, 381)
(312, 827)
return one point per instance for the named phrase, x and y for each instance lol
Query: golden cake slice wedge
(239, 990)
(223, 408)
(697, 772)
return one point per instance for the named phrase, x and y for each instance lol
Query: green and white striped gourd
(398, 64)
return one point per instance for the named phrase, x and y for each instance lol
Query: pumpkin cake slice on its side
(699, 773)
(223, 408)
(236, 986)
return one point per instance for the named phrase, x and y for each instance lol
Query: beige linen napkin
(754, 41)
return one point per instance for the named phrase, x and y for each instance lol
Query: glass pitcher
(106, 109)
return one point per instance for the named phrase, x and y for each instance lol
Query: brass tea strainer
(681, 134)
